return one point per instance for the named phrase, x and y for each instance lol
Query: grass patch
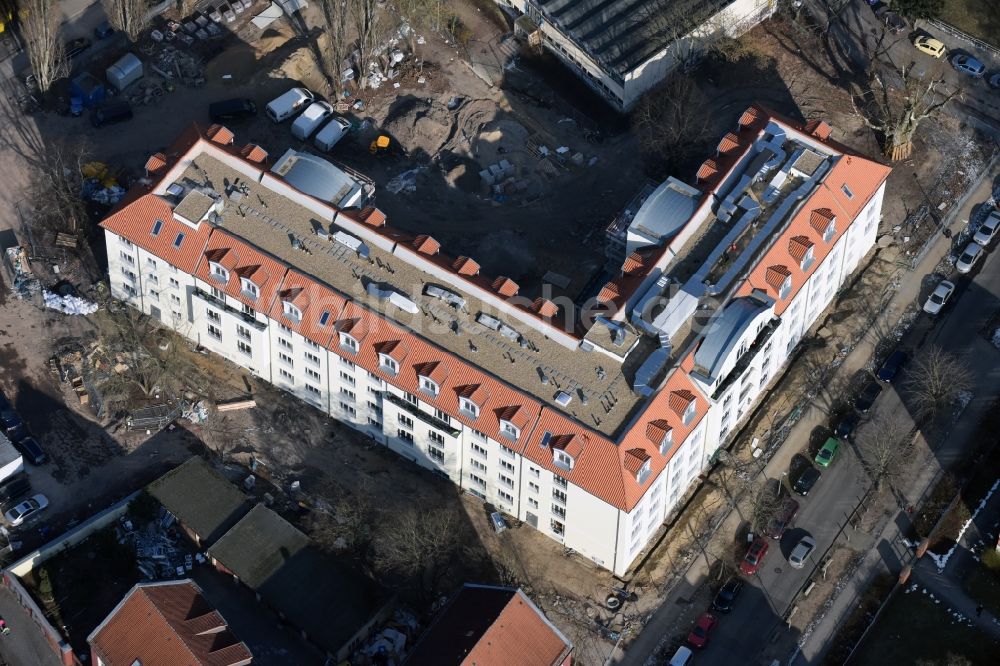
(979, 18)
(850, 632)
(913, 628)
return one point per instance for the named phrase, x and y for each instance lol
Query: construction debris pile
(24, 284)
(98, 184)
(71, 305)
(388, 645)
(159, 551)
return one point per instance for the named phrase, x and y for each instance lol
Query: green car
(828, 452)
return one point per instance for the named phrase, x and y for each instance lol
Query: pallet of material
(233, 405)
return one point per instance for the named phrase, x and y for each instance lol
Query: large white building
(622, 48)
(588, 426)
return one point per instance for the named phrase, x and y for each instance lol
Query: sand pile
(419, 125)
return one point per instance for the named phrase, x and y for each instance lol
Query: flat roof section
(294, 234)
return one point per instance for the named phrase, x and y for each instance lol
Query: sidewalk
(951, 593)
(909, 290)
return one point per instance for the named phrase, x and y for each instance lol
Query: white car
(801, 552)
(939, 297)
(287, 105)
(311, 119)
(970, 257)
(26, 509)
(988, 229)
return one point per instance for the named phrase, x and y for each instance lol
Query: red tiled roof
(137, 220)
(573, 444)
(465, 266)
(635, 459)
(474, 392)
(169, 624)
(505, 286)
(798, 246)
(776, 275)
(679, 400)
(544, 307)
(220, 135)
(241, 257)
(656, 430)
(426, 245)
(394, 349)
(729, 143)
(373, 217)
(514, 414)
(254, 153)
(820, 218)
(608, 294)
(707, 169)
(750, 116)
(433, 370)
(491, 626)
(155, 163)
(818, 129)
(316, 303)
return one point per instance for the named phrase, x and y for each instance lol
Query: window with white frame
(388, 364)
(807, 259)
(481, 436)
(405, 420)
(248, 311)
(560, 481)
(533, 487)
(313, 390)
(151, 263)
(352, 396)
(348, 342)
(506, 497)
(284, 328)
(436, 437)
(243, 332)
(562, 459)
(428, 385)
(128, 274)
(476, 464)
(347, 363)
(507, 451)
(412, 399)
(176, 315)
(509, 430)
(666, 442)
(312, 345)
(287, 376)
(505, 480)
(292, 312)
(286, 359)
(153, 279)
(215, 331)
(217, 294)
(690, 412)
(643, 472)
(350, 411)
(558, 511)
(218, 271)
(786, 287)
(174, 284)
(436, 455)
(830, 230)
(129, 259)
(284, 343)
(347, 377)
(155, 295)
(248, 288)
(479, 449)
(373, 406)
(557, 528)
(311, 358)
(469, 407)
(441, 415)
(535, 472)
(477, 480)
(509, 466)
(175, 299)
(244, 348)
(532, 502)
(312, 374)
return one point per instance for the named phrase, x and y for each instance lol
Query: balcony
(215, 302)
(437, 424)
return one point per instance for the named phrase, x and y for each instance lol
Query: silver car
(939, 297)
(801, 552)
(970, 257)
(26, 509)
(988, 229)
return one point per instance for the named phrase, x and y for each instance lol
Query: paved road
(24, 644)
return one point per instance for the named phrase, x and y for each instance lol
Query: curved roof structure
(318, 178)
(664, 213)
(724, 332)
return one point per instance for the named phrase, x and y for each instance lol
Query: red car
(755, 555)
(698, 638)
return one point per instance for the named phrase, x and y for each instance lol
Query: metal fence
(955, 32)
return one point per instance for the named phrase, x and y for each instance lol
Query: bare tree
(371, 28)
(56, 181)
(336, 17)
(128, 16)
(884, 447)
(40, 26)
(421, 546)
(136, 351)
(934, 382)
(673, 121)
(763, 503)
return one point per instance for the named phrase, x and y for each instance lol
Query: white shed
(10, 459)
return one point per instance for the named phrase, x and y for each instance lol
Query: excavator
(382, 145)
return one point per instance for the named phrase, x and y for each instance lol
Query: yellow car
(929, 45)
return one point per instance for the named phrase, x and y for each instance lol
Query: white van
(311, 119)
(287, 105)
(332, 133)
(681, 657)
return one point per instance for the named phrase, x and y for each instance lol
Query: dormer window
(388, 364)
(562, 459)
(786, 287)
(667, 442)
(249, 288)
(218, 271)
(292, 312)
(509, 430)
(469, 407)
(807, 259)
(830, 230)
(690, 412)
(348, 343)
(428, 385)
(643, 473)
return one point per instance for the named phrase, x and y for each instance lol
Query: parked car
(994, 80)
(807, 479)
(31, 450)
(927, 44)
(76, 47)
(869, 394)
(801, 552)
(892, 366)
(970, 256)
(10, 420)
(117, 111)
(988, 229)
(726, 597)
(14, 488)
(846, 425)
(26, 509)
(334, 131)
(311, 119)
(287, 105)
(782, 518)
(939, 297)
(827, 452)
(698, 638)
(682, 657)
(755, 556)
(232, 109)
(968, 65)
